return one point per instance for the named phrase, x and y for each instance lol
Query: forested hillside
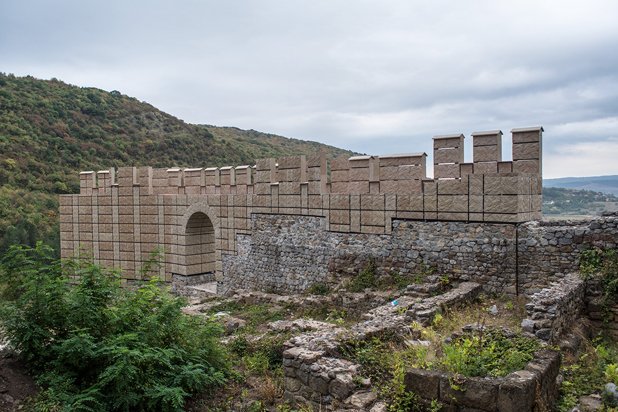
(562, 201)
(50, 130)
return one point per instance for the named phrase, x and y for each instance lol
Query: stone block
(265, 164)
(526, 151)
(314, 202)
(289, 175)
(476, 184)
(446, 171)
(489, 138)
(341, 202)
(409, 215)
(359, 174)
(526, 167)
(453, 203)
(359, 161)
(410, 202)
(505, 167)
(418, 159)
(372, 218)
(476, 393)
(339, 228)
(316, 160)
(424, 383)
(376, 230)
(357, 187)
(263, 176)
(466, 169)
(453, 216)
(372, 202)
(482, 168)
(487, 154)
(340, 176)
(291, 162)
(527, 135)
(453, 187)
(475, 217)
(449, 155)
(339, 163)
(407, 172)
(475, 204)
(430, 187)
(288, 201)
(430, 203)
(262, 188)
(536, 203)
(501, 204)
(339, 217)
(289, 188)
(339, 187)
(400, 186)
(501, 217)
(454, 140)
(501, 185)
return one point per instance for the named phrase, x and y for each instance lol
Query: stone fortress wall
(202, 219)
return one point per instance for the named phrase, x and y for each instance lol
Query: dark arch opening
(199, 245)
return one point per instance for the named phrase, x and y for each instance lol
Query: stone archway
(199, 245)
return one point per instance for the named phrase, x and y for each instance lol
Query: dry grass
(268, 389)
(511, 311)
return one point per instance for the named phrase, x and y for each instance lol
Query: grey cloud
(371, 76)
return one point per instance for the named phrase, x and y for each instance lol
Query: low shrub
(603, 265)
(319, 288)
(96, 346)
(490, 353)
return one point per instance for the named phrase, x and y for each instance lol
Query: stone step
(199, 291)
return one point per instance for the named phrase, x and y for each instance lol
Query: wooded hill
(49, 131)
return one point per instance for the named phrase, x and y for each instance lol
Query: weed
(366, 279)
(588, 373)
(385, 361)
(603, 265)
(491, 353)
(319, 288)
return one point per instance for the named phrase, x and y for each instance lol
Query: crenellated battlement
(388, 174)
(122, 215)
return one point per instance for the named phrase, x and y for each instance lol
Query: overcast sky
(376, 77)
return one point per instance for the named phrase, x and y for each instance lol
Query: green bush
(491, 353)
(98, 347)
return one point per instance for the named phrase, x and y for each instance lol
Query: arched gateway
(199, 245)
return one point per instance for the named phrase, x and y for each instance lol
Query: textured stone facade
(198, 218)
(297, 252)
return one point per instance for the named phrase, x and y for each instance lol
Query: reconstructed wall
(200, 217)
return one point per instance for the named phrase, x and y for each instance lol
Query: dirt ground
(16, 385)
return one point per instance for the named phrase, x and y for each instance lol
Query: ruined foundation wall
(297, 252)
(550, 250)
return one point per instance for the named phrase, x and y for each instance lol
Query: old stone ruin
(272, 231)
